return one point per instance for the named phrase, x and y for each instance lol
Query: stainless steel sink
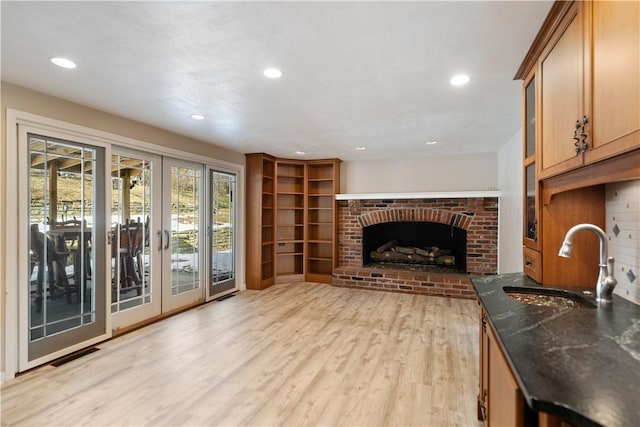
(548, 297)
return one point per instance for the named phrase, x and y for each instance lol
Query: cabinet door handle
(576, 138)
(483, 405)
(159, 240)
(583, 134)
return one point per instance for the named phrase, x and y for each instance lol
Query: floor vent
(74, 356)
(224, 297)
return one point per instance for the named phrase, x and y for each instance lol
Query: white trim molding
(428, 195)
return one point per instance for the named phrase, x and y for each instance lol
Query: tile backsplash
(623, 231)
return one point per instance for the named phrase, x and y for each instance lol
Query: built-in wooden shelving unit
(294, 236)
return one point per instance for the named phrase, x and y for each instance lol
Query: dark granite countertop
(581, 364)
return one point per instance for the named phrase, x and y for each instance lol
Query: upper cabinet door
(561, 76)
(615, 75)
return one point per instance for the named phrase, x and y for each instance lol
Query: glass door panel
(182, 247)
(65, 283)
(221, 233)
(135, 212)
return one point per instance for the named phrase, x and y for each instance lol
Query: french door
(222, 233)
(62, 277)
(136, 211)
(182, 244)
(156, 249)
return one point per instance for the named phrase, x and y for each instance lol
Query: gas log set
(394, 253)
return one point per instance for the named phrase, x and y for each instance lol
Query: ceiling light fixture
(434, 142)
(63, 62)
(273, 73)
(361, 148)
(300, 152)
(460, 79)
(197, 116)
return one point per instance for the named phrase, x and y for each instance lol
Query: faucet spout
(606, 282)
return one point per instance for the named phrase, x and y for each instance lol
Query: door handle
(159, 240)
(166, 232)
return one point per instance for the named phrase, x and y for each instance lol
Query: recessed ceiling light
(460, 79)
(273, 73)
(434, 142)
(197, 116)
(361, 148)
(63, 62)
(300, 152)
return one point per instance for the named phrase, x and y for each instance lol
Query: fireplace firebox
(424, 245)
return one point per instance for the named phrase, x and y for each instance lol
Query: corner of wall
(510, 222)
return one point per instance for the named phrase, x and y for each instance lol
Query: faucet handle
(610, 262)
(610, 279)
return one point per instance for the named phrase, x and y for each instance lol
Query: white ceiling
(373, 74)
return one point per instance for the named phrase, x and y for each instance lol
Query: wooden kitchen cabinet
(613, 100)
(587, 62)
(581, 130)
(530, 190)
(291, 220)
(500, 400)
(561, 95)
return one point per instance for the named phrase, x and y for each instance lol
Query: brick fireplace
(477, 216)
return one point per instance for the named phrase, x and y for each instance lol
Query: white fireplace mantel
(428, 195)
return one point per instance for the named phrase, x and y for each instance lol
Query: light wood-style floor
(300, 354)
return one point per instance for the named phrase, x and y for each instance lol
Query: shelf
(286, 208)
(320, 250)
(322, 188)
(290, 193)
(290, 185)
(320, 179)
(289, 253)
(322, 171)
(320, 195)
(321, 202)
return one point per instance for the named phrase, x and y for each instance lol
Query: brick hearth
(478, 216)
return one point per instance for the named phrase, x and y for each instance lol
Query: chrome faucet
(606, 282)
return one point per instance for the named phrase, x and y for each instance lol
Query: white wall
(510, 226)
(623, 210)
(437, 173)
